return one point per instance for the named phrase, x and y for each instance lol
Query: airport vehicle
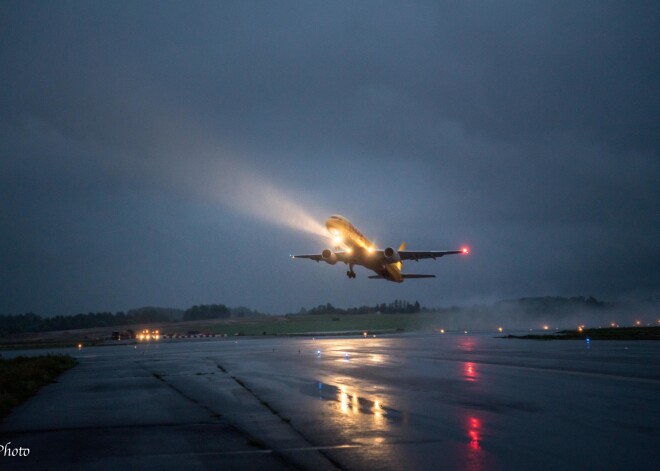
(353, 248)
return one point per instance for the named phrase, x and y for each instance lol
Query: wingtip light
(465, 250)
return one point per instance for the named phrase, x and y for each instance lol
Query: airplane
(353, 248)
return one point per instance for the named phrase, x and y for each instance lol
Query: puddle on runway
(350, 402)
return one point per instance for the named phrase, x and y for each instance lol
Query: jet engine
(391, 255)
(329, 256)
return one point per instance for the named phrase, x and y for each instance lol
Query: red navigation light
(465, 250)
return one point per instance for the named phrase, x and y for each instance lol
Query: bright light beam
(252, 195)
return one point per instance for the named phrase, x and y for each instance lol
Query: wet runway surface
(451, 401)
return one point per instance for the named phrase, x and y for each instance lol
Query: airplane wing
(420, 255)
(341, 256)
(315, 257)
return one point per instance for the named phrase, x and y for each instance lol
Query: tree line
(398, 306)
(31, 322)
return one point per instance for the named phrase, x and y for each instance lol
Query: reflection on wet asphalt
(450, 401)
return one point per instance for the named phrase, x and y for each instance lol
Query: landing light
(370, 249)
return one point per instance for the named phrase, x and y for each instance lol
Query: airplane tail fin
(404, 276)
(402, 246)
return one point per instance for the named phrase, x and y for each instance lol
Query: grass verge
(22, 377)
(616, 333)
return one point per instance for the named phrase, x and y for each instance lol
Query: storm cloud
(175, 153)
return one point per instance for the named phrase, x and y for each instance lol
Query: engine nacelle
(329, 256)
(391, 255)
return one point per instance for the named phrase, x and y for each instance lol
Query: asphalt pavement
(427, 401)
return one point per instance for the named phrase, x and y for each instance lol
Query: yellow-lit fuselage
(361, 249)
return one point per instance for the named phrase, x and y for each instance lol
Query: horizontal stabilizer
(378, 277)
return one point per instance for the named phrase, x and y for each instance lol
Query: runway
(427, 401)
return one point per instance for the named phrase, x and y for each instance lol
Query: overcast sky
(176, 153)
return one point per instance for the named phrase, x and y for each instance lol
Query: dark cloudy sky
(176, 153)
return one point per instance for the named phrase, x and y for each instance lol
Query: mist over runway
(403, 402)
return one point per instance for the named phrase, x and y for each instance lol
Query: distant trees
(398, 306)
(31, 322)
(207, 311)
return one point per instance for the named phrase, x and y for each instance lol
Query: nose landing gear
(351, 274)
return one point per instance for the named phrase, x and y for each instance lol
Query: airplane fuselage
(360, 249)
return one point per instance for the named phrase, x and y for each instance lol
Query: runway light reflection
(474, 425)
(353, 411)
(343, 400)
(376, 357)
(470, 371)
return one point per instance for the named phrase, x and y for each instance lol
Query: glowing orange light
(637, 322)
(79, 346)
(442, 331)
(343, 399)
(500, 329)
(364, 333)
(580, 329)
(545, 327)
